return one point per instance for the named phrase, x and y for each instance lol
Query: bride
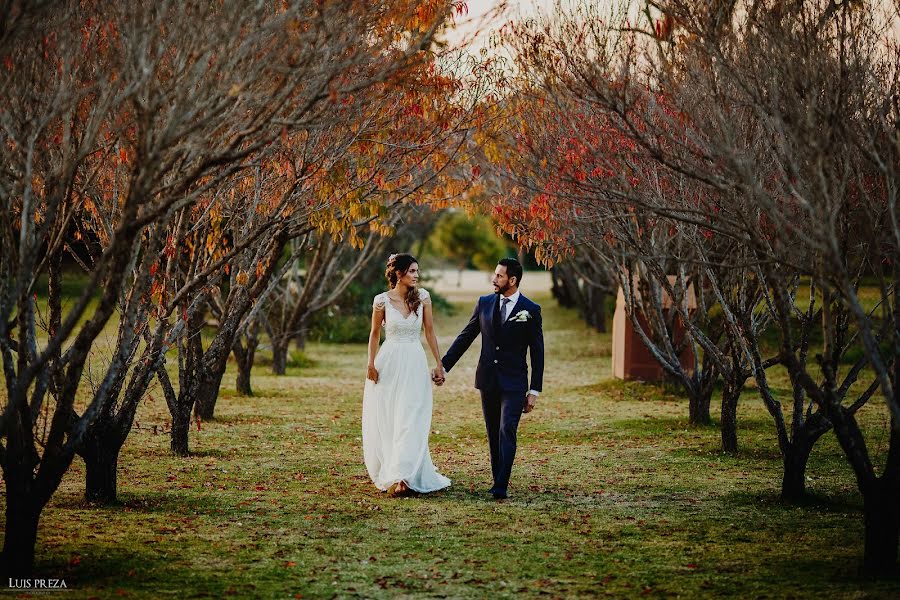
(396, 413)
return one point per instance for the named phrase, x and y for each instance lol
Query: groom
(509, 323)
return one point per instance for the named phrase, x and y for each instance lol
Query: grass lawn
(612, 494)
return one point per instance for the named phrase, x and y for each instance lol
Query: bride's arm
(374, 337)
(431, 338)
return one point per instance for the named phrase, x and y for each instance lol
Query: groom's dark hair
(513, 269)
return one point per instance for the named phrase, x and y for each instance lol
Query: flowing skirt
(396, 420)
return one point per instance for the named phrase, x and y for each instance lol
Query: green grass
(612, 494)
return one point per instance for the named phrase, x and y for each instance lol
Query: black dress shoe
(498, 495)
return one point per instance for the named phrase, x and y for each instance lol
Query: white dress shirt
(509, 306)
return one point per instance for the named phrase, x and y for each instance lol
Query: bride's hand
(372, 373)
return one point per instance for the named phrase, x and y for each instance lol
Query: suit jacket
(503, 346)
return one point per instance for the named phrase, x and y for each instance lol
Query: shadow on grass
(137, 569)
(662, 424)
(243, 419)
(176, 504)
(847, 504)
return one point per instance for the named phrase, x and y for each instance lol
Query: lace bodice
(396, 327)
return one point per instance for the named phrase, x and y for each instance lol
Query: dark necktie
(503, 304)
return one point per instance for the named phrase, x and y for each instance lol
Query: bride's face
(411, 277)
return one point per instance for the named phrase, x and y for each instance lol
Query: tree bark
(700, 391)
(793, 480)
(279, 356)
(595, 310)
(20, 537)
(795, 456)
(244, 357)
(731, 393)
(302, 330)
(698, 410)
(101, 459)
(882, 523)
(207, 394)
(882, 511)
(181, 425)
(242, 383)
(562, 289)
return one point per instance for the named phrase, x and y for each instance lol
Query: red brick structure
(630, 357)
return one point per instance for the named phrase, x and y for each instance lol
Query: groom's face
(501, 281)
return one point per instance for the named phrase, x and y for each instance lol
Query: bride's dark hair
(397, 267)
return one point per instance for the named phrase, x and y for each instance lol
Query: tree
(788, 116)
(116, 122)
(580, 283)
(467, 240)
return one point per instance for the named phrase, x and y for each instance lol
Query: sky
(478, 24)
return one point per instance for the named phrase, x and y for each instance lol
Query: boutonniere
(521, 316)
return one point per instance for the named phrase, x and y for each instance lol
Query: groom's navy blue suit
(502, 374)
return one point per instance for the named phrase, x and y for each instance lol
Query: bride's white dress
(396, 413)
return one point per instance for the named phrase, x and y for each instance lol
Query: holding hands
(438, 377)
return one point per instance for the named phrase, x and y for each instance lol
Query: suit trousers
(502, 411)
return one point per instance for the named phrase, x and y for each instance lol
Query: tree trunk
(698, 411)
(242, 383)
(882, 507)
(212, 370)
(207, 394)
(701, 392)
(20, 537)
(882, 522)
(596, 309)
(731, 392)
(793, 481)
(796, 456)
(556, 289)
(101, 459)
(181, 426)
(245, 357)
(279, 356)
(302, 329)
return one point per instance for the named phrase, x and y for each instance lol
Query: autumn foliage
(171, 152)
